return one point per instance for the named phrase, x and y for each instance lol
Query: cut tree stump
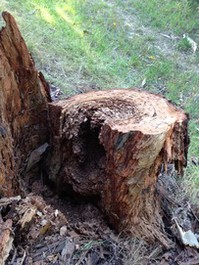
(23, 107)
(110, 144)
(113, 144)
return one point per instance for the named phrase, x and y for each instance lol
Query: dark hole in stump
(85, 162)
(94, 153)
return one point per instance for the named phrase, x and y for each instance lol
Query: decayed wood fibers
(112, 144)
(23, 107)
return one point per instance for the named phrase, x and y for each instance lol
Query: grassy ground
(82, 44)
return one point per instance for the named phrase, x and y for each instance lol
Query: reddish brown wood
(23, 107)
(113, 144)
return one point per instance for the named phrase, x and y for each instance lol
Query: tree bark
(23, 107)
(113, 144)
(110, 144)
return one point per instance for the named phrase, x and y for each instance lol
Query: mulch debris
(46, 229)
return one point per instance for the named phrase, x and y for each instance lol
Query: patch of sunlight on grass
(62, 13)
(3, 4)
(45, 14)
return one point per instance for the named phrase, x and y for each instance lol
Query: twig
(22, 259)
(169, 36)
(14, 256)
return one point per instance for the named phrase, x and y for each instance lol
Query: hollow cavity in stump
(113, 144)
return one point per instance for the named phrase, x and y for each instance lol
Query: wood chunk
(113, 144)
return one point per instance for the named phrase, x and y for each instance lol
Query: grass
(172, 16)
(184, 45)
(82, 44)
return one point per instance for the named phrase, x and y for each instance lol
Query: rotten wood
(108, 144)
(6, 239)
(113, 144)
(23, 107)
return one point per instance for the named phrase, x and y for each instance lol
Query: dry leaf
(36, 156)
(45, 228)
(56, 212)
(27, 216)
(68, 250)
(143, 84)
(188, 238)
(63, 230)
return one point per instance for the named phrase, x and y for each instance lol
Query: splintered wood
(23, 107)
(113, 144)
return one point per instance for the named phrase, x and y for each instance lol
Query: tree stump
(110, 144)
(23, 107)
(113, 144)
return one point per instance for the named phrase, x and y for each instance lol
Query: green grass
(184, 45)
(172, 16)
(103, 44)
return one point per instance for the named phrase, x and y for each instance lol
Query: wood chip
(5, 201)
(27, 216)
(6, 240)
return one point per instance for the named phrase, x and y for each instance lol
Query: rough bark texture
(23, 107)
(113, 144)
